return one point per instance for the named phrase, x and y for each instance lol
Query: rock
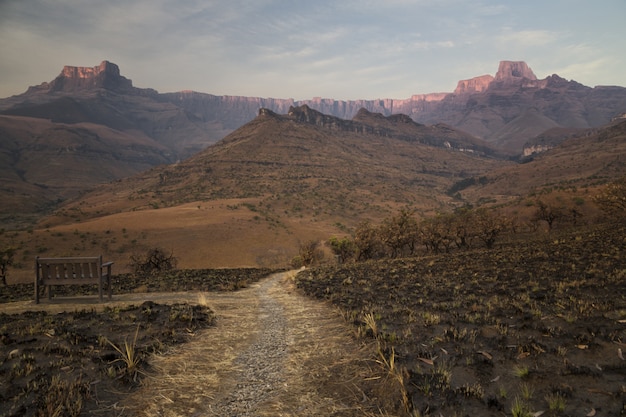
(473, 85)
(514, 71)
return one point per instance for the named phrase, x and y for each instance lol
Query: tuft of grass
(129, 356)
(521, 371)
(556, 402)
(520, 409)
(370, 322)
(395, 373)
(203, 300)
(527, 391)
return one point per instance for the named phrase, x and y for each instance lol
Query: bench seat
(72, 271)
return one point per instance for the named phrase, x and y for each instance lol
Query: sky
(346, 50)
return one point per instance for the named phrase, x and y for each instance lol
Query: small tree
(343, 248)
(488, 226)
(367, 241)
(400, 233)
(437, 233)
(154, 261)
(6, 260)
(547, 213)
(310, 253)
(612, 199)
(463, 227)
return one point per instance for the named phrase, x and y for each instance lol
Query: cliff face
(487, 106)
(514, 71)
(473, 85)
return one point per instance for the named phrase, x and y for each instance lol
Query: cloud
(528, 38)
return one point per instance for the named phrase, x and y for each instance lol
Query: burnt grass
(76, 362)
(536, 324)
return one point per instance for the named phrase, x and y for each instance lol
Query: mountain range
(90, 126)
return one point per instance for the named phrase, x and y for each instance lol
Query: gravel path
(273, 352)
(260, 365)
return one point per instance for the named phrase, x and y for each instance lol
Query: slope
(311, 164)
(593, 158)
(43, 163)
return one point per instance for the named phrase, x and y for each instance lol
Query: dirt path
(272, 353)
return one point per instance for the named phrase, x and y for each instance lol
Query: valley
(493, 283)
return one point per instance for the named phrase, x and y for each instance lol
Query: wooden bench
(71, 271)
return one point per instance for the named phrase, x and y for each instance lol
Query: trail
(273, 352)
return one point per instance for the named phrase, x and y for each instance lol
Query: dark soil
(536, 325)
(78, 363)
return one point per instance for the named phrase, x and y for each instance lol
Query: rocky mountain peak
(514, 71)
(106, 75)
(91, 72)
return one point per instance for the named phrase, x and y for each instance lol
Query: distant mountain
(91, 125)
(495, 108)
(306, 163)
(43, 163)
(304, 172)
(100, 95)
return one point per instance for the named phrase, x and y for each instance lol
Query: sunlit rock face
(513, 71)
(473, 85)
(106, 75)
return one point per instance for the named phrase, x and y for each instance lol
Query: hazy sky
(346, 49)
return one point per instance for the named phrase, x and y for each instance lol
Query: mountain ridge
(511, 92)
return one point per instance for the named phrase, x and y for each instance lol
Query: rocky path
(272, 353)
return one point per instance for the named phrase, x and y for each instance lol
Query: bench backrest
(68, 268)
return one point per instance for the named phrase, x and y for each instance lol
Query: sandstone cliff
(489, 107)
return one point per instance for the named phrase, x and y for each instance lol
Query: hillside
(145, 128)
(43, 162)
(583, 161)
(308, 163)
(282, 180)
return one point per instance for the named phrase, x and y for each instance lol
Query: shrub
(154, 261)
(612, 199)
(343, 248)
(310, 253)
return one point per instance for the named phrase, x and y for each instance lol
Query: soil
(68, 356)
(535, 326)
(264, 350)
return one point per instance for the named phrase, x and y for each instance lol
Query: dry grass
(185, 380)
(326, 372)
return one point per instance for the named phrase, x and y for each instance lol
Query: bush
(310, 253)
(612, 199)
(154, 261)
(344, 248)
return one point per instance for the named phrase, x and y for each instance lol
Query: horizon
(274, 49)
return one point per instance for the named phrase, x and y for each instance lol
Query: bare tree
(488, 226)
(437, 233)
(6, 260)
(547, 213)
(154, 261)
(367, 241)
(400, 233)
